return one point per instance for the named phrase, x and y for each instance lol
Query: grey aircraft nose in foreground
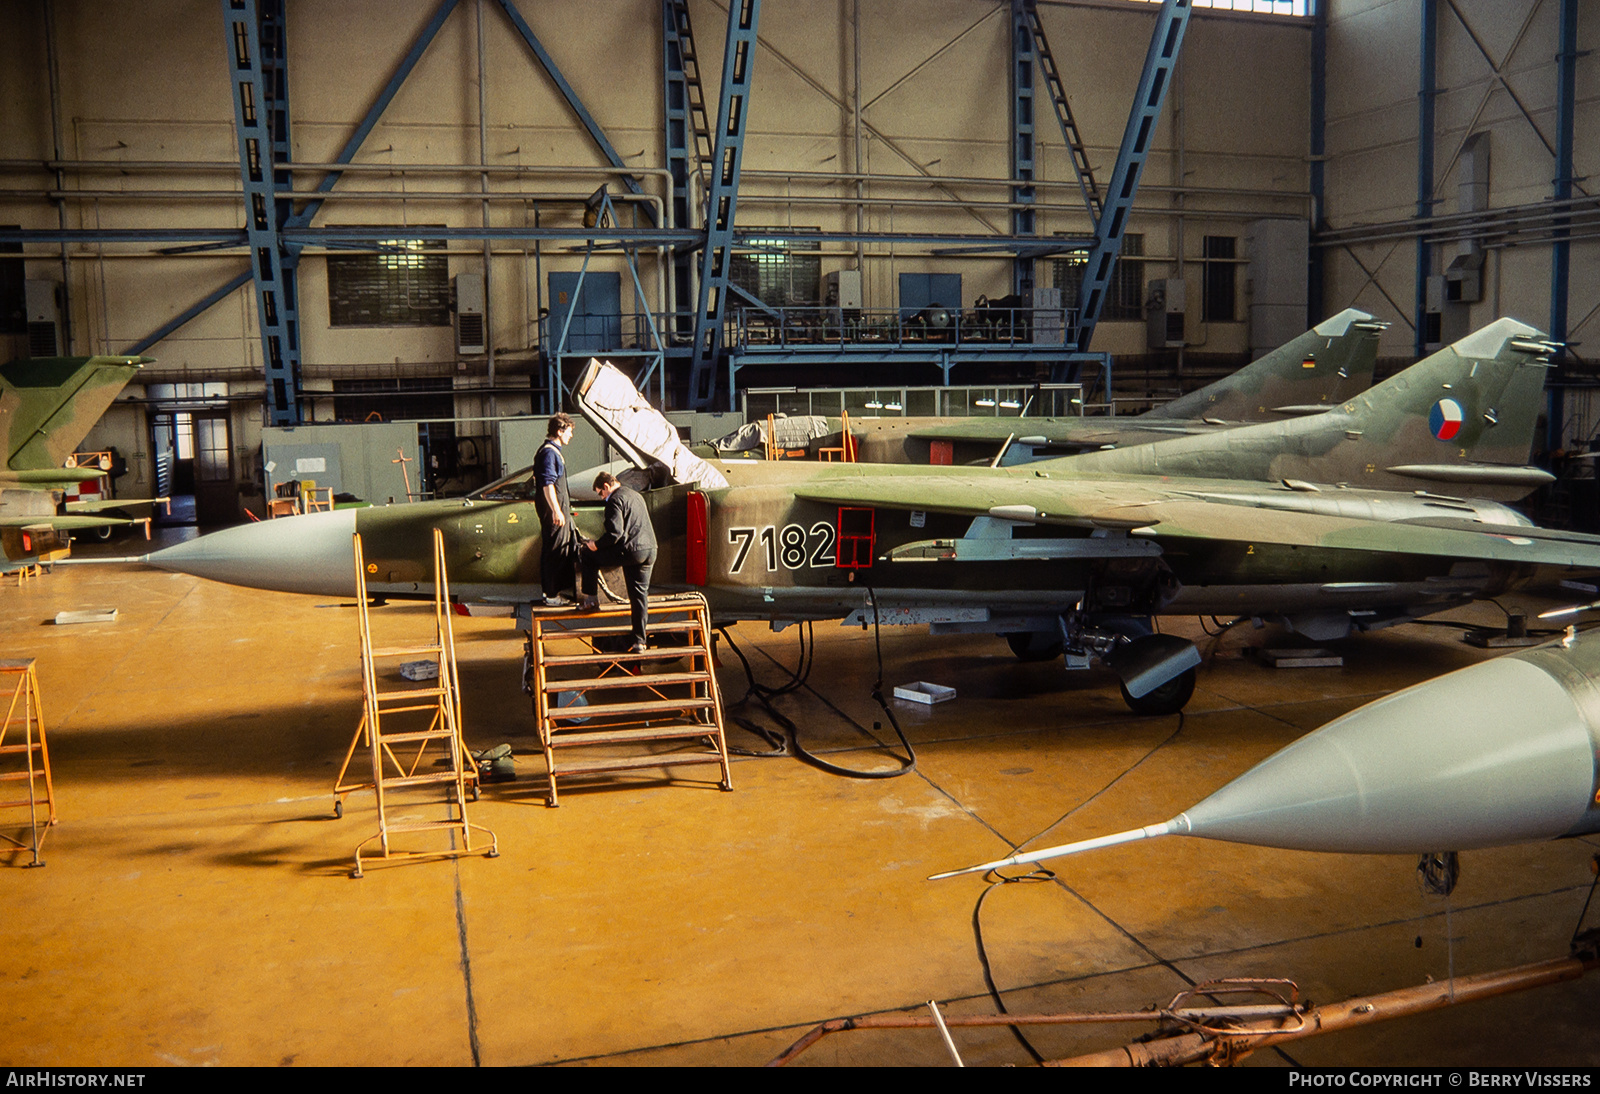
(1500, 753)
(313, 554)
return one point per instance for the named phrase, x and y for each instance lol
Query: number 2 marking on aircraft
(790, 547)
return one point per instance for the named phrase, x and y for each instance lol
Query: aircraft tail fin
(49, 404)
(1321, 368)
(1461, 421)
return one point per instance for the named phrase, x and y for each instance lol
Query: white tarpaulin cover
(610, 401)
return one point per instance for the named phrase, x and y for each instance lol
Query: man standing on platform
(559, 536)
(630, 542)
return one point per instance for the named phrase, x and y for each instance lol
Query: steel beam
(1024, 60)
(379, 105)
(1319, 153)
(1561, 248)
(733, 113)
(1165, 43)
(548, 63)
(260, 91)
(200, 306)
(687, 147)
(1427, 92)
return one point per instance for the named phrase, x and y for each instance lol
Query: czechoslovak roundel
(1444, 420)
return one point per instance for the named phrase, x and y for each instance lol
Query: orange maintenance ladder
(439, 705)
(36, 753)
(600, 711)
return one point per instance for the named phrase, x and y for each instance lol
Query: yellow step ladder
(599, 711)
(35, 753)
(436, 710)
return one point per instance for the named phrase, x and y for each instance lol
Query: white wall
(1373, 79)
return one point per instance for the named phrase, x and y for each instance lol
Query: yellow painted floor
(196, 906)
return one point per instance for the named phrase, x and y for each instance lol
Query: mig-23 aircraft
(1312, 373)
(47, 406)
(1061, 557)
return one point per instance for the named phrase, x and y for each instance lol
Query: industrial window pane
(1218, 304)
(1125, 294)
(405, 285)
(211, 450)
(779, 274)
(1259, 7)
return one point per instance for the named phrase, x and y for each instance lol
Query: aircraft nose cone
(1494, 754)
(304, 554)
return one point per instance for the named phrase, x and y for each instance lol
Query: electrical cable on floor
(788, 743)
(1039, 873)
(996, 879)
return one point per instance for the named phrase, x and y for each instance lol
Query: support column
(1024, 61)
(1165, 43)
(261, 118)
(1427, 92)
(1561, 247)
(738, 64)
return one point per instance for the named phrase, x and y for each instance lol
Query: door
(596, 313)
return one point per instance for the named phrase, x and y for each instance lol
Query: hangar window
(779, 272)
(1124, 297)
(406, 284)
(1258, 7)
(13, 309)
(1217, 302)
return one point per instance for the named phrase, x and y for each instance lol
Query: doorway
(192, 445)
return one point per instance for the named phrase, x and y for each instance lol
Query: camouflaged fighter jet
(47, 406)
(1061, 557)
(1319, 370)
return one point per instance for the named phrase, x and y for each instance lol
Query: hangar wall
(1496, 80)
(145, 129)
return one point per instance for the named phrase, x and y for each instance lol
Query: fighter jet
(1313, 373)
(47, 406)
(1504, 752)
(1060, 558)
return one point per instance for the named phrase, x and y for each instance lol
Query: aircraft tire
(1169, 698)
(1034, 646)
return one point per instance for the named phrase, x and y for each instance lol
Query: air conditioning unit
(472, 336)
(1164, 309)
(44, 318)
(842, 289)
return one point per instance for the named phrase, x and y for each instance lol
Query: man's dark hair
(604, 479)
(558, 422)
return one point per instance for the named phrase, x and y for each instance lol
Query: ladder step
(416, 735)
(583, 627)
(12, 776)
(408, 693)
(421, 826)
(633, 763)
(400, 782)
(571, 739)
(643, 680)
(407, 651)
(607, 658)
(652, 706)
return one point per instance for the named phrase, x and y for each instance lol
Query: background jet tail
(49, 404)
(1464, 417)
(1460, 422)
(1321, 368)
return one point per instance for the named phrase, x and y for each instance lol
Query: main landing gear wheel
(1034, 646)
(1168, 698)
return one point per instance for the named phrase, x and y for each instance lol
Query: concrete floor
(196, 907)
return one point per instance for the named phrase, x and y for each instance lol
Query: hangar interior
(984, 207)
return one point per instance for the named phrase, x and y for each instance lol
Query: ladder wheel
(492, 854)
(476, 793)
(338, 810)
